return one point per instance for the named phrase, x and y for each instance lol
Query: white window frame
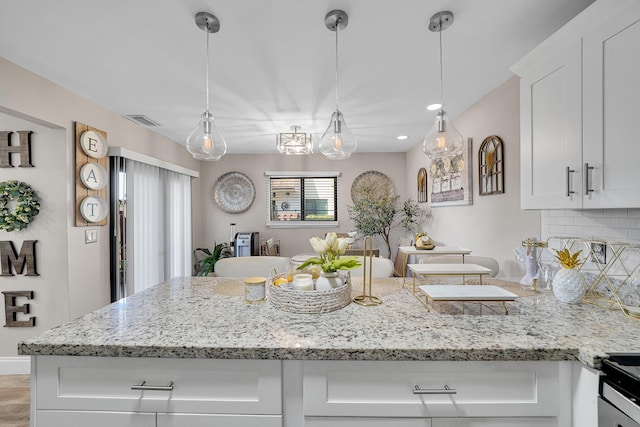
(298, 174)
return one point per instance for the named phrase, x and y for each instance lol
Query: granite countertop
(188, 318)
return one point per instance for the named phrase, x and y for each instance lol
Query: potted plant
(373, 215)
(207, 264)
(330, 258)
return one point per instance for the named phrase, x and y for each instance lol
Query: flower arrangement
(330, 250)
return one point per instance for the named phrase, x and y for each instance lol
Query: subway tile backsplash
(621, 225)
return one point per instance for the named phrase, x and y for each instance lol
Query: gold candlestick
(367, 299)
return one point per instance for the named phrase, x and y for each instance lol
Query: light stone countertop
(187, 318)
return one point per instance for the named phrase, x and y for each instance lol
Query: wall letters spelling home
(26, 208)
(91, 176)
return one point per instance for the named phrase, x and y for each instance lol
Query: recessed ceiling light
(433, 107)
(401, 137)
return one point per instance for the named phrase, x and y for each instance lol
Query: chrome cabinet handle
(444, 390)
(143, 386)
(587, 188)
(569, 190)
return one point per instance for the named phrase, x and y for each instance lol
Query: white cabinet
(225, 392)
(442, 393)
(611, 99)
(579, 101)
(550, 134)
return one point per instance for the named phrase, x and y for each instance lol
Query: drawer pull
(445, 390)
(143, 386)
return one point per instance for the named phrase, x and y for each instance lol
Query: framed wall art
(491, 166)
(450, 179)
(422, 185)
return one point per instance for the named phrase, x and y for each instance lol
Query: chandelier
(294, 143)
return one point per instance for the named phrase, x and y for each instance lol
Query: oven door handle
(622, 402)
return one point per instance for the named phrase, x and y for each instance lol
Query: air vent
(143, 120)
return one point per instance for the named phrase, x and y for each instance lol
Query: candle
(302, 282)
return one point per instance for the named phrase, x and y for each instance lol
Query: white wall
(50, 305)
(493, 225)
(78, 282)
(292, 241)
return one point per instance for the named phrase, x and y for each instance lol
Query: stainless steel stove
(619, 402)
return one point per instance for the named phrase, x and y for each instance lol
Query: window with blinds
(303, 199)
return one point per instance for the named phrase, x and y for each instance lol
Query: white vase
(568, 286)
(329, 281)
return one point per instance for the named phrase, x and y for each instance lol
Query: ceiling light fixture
(206, 142)
(294, 143)
(443, 140)
(402, 137)
(337, 142)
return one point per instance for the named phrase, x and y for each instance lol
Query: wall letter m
(9, 258)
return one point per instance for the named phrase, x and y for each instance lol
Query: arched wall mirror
(422, 185)
(491, 166)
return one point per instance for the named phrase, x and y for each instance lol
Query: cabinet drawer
(197, 385)
(207, 420)
(365, 422)
(478, 389)
(495, 422)
(94, 419)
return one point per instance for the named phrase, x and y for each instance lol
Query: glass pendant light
(337, 142)
(443, 140)
(206, 142)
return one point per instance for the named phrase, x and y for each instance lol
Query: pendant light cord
(337, 30)
(441, 84)
(207, 69)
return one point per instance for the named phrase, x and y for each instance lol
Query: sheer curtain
(158, 215)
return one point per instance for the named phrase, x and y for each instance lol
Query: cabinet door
(495, 422)
(550, 133)
(93, 419)
(611, 108)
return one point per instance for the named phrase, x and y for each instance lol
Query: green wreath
(26, 208)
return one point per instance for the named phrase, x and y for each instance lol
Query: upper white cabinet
(580, 109)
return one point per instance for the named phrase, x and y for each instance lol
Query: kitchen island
(297, 369)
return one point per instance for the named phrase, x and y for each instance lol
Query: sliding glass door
(151, 226)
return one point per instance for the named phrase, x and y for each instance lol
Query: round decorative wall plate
(376, 183)
(93, 176)
(234, 192)
(93, 144)
(94, 209)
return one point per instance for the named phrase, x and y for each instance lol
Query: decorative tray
(309, 302)
(467, 293)
(374, 182)
(234, 192)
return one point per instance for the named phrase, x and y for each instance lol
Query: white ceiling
(272, 63)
